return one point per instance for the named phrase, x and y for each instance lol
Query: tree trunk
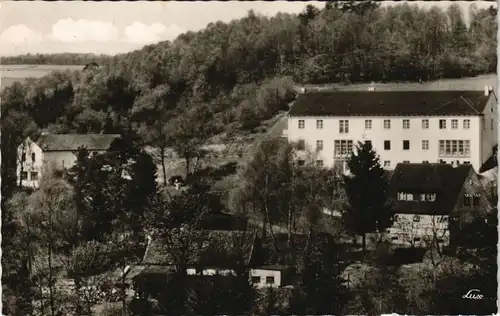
(51, 281)
(163, 168)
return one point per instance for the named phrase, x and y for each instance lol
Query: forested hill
(243, 72)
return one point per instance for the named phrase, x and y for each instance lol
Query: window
(394, 238)
(319, 124)
(406, 161)
(301, 162)
(483, 123)
(416, 218)
(491, 124)
(454, 124)
(387, 124)
(442, 124)
(319, 145)
(32, 157)
(343, 126)
(425, 161)
(466, 162)
(62, 162)
(425, 145)
(319, 163)
(430, 197)
(387, 145)
(270, 280)
(387, 163)
(34, 175)
(23, 157)
(301, 144)
(402, 196)
(466, 124)
(416, 239)
(454, 148)
(406, 124)
(475, 200)
(255, 279)
(302, 124)
(425, 124)
(343, 148)
(467, 200)
(24, 175)
(406, 145)
(368, 124)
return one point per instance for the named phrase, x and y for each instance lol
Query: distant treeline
(55, 59)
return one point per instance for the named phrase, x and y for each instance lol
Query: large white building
(458, 127)
(55, 152)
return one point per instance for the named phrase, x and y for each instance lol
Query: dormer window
(416, 218)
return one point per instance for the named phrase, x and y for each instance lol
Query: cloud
(68, 30)
(146, 34)
(20, 34)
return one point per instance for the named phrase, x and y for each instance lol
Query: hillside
(244, 73)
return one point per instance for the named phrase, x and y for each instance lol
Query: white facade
(419, 230)
(421, 134)
(33, 162)
(260, 278)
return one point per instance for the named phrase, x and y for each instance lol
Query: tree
(321, 288)
(188, 133)
(366, 190)
(48, 208)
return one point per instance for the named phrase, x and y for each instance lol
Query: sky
(118, 27)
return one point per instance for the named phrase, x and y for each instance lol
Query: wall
(396, 134)
(489, 131)
(263, 273)
(405, 229)
(29, 147)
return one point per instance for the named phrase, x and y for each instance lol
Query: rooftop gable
(212, 249)
(443, 179)
(390, 103)
(71, 142)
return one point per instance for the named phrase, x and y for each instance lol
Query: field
(474, 83)
(13, 73)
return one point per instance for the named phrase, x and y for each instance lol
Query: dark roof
(71, 142)
(491, 162)
(389, 103)
(443, 179)
(211, 248)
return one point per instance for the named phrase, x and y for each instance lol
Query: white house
(55, 152)
(403, 126)
(431, 202)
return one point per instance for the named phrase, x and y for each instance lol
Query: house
(55, 152)
(215, 253)
(403, 126)
(434, 203)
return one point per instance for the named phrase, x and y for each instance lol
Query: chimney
(487, 90)
(371, 87)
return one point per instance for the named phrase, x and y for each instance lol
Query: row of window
(344, 124)
(387, 163)
(34, 175)
(417, 239)
(23, 157)
(269, 280)
(423, 197)
(447, 148)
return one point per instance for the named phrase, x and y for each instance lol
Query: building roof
(71, 142)
(443, 179)
(389, 103)
(212, 248)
